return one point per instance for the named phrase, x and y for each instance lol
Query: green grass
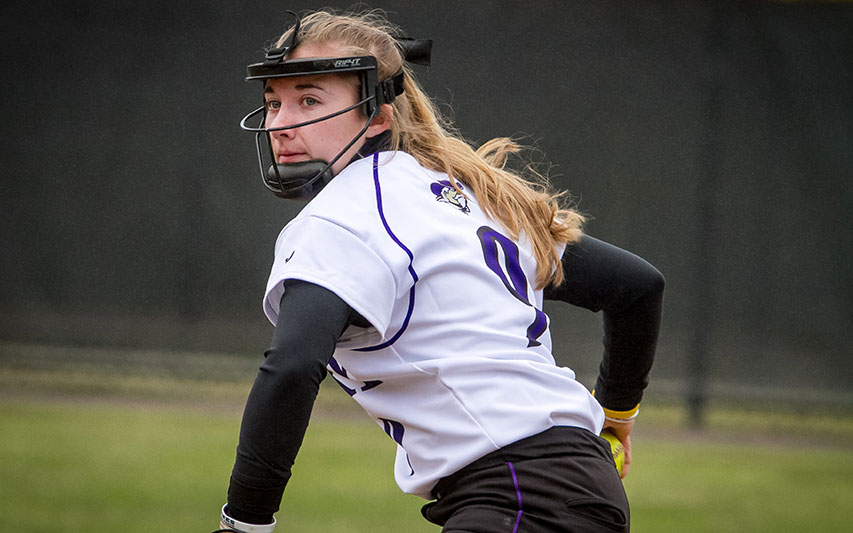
(98, 451)
(83, 467)
(97, 467)
(697, 486)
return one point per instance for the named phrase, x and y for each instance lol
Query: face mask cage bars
(275, 182)
(373, 95)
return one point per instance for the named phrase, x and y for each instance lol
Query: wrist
(621, 416)
(619, 419)
(244, 527)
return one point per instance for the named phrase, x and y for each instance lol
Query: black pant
(561, 480)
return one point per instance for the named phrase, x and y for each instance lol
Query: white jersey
(458, 360)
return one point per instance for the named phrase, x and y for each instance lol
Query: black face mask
(298, 181)
(304, 180)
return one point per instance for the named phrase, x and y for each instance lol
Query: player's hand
(622, 430)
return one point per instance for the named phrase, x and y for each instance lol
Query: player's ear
(382, 121)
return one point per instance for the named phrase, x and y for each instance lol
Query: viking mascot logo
(445, 192)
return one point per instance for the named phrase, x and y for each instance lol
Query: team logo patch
(445, 192)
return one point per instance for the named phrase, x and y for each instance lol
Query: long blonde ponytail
(521, 203)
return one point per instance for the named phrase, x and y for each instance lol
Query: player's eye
(273, 105)
(309, 101)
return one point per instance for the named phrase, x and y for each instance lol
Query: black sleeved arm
(629, 292)
(311, 319)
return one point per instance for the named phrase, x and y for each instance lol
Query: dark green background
(714, 139)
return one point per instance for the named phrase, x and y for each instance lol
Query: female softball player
(415, 277)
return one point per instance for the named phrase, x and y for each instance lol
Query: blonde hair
(521, 203)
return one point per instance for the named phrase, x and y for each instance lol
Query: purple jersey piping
(412, 272)
(518, 495)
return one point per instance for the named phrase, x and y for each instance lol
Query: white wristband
(632, 417)
(244, 527)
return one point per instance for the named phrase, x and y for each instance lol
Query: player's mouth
(286, 156)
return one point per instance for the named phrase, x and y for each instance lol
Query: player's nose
(279, 120)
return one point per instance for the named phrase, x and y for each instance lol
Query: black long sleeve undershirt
(629, 292)
(310, 321)
(599, 277)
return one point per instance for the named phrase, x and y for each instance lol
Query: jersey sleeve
(340, 259)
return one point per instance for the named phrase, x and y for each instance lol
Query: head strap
(390, 89)
(275, 56)
(417, 51)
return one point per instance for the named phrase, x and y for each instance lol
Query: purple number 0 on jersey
(512, 276)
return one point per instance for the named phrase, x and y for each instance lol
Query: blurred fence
(714, 139)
